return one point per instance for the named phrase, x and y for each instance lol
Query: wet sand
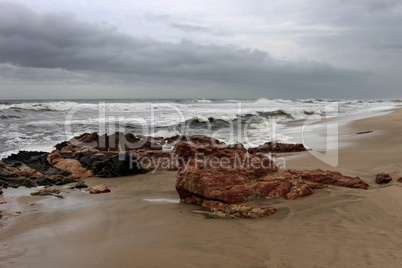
(133, 227)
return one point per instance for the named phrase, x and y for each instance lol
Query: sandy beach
(141, 223)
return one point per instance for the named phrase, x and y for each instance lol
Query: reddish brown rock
(329, 177)
(99, 189)
(71, 165)
(298, 189)
(223, 188)
(382, 178)
(400, 179)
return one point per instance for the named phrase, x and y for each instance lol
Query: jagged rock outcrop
(13, 177)
(115, 166)
(222, 179)
(329, 178)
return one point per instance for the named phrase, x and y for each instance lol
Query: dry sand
(140, 223)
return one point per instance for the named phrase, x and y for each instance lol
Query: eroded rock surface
(223, 179)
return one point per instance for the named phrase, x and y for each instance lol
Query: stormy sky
(201, 49)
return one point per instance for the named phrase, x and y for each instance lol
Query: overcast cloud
(229, 49)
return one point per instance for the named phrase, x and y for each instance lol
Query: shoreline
(333, 227)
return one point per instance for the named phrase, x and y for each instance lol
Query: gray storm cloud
(60, 47)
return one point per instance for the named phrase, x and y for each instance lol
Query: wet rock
(277, 147)
(79, 185)
(36, 161)
(48, 191)
(64, 181)
(224, 210)
(115, 166)
(382, 178)
(15, 182)
(99, 189)
(43, 181)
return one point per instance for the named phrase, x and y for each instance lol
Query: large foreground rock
(222, 179)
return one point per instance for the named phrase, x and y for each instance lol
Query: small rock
(364, 132)
(400, 179)
(382, 178)
(47, 191)
(2, 200)
(99, 189)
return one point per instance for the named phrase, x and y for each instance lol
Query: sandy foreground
(141, 224)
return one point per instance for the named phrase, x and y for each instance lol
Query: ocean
(39, 125)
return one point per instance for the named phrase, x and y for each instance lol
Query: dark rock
(364, 132)
(61, 145)
(80, 186)
(35, 160)
(43, 181)
(116, 166)
(64, 181)
(15, 182)
(277, 147)
(400, 179)
(382, 178)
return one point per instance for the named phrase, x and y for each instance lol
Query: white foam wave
(37, 106)
(202, 101)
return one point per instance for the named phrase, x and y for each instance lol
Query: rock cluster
(217, 176)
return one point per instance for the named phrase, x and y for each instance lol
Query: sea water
(40, 124)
